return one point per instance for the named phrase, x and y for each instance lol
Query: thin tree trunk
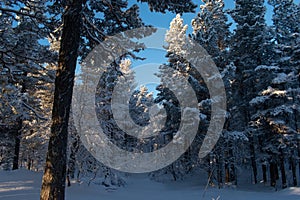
(273, 173)
(72, 158)
(276, 172)
(233, 174)
(282, 170)
(253, 158)
(17, 145)
(16, 152)
(210, 169)
(227, 180)
(54, 179)
(73, 149)
(173, 172)
(293, 165)
(29, 163)
(68, 181)
(220, 168)
(264, 170)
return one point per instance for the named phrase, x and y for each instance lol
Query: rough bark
(54, 179)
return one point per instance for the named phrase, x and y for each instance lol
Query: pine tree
(177, 69)
(211, 30)
(140, 104)
(118, 72)
(53, 186)
(275, 120)
(22, 65)
(287, 33)
(247, 46)
(247, 51)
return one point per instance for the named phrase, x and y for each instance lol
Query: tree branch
(36, 114)
(18, 12)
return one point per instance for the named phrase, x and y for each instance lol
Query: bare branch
(8, 10)
(34, 111)
(94, 27)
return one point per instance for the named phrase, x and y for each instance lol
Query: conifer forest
(250, 55)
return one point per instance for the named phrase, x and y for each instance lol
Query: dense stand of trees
(259, 64)
(264, 79)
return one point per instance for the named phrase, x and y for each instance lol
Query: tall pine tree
(211, 30)
(247, 49)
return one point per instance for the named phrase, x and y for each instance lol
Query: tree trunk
(276, 172)
(233, 174)
(210, 169)
(220, 162)
(273, 173)
(29, 162)
(299, 158)
(16, 151)
(68, 181)
(173, 172)
(54, 179)
(293, 166)
(74, 147)
(227, 180)
(253, 158)
(282, 170)
(264, 170)
(17, 135)
(72, 158)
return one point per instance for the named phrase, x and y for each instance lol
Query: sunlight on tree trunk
(53, 186)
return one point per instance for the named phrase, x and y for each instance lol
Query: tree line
(42, 42)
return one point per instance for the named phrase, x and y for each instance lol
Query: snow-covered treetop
(176, 37)
(211, 30)
(248, 42)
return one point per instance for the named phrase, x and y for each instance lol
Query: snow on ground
(25, 185)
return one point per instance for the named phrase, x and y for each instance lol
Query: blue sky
(146, 69)
(163, 20)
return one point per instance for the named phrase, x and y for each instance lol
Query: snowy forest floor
(25, 185)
